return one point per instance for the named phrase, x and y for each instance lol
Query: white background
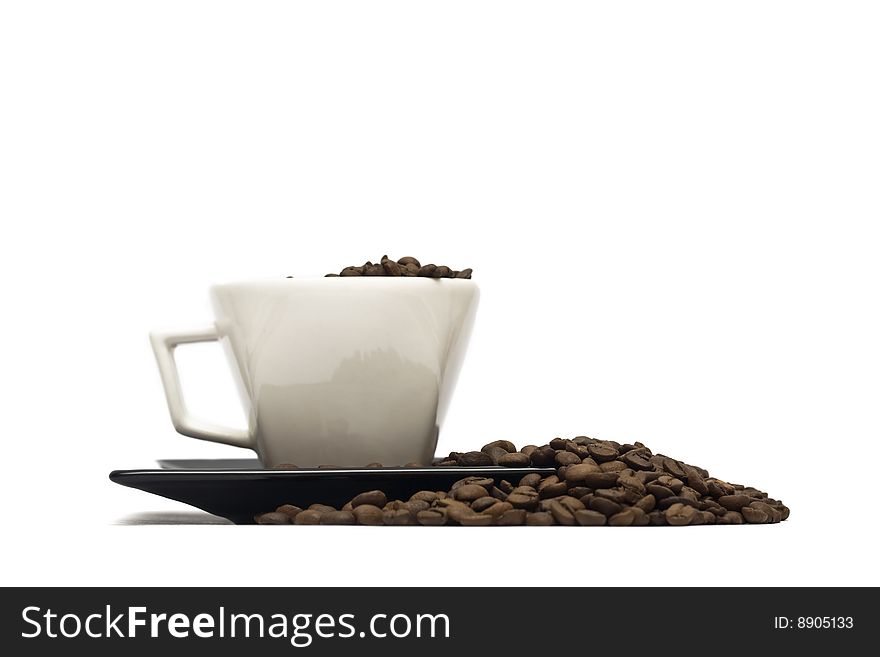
(671, 209)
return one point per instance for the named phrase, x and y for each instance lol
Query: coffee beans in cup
(406, 267)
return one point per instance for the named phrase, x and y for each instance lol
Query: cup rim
(391, 281)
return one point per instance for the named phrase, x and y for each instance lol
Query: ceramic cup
(342, 371)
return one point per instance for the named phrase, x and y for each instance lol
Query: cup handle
(164, 343)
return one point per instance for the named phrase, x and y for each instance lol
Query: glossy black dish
(241, 492)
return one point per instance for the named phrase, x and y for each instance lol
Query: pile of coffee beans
(597, 482)
(407, 266)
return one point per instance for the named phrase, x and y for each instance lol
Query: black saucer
(239, 489)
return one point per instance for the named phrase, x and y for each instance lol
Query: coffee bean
(374, 270)
(476, 520)
(464, 273)
(514, 460)
(273, 518)
(431, 518)
(631, 483)
(497, 509)
(599, 480)
(484, 503)
(512, 517)
(374, 497)
(679, 515)
(286, 466)
(424, 495)
(614, 494)
(647, 503)
(731, 518)
(713, 506)
(675, 485)
(567, 458)
(726, 488)
(638, 459)
(408, 260)
(415, 506)
(352, 271)
(657, 518)
(378, 465)
(495, 453)
(558, 443)
(454, 509)
(589, 518)
(543, 456)
(427, 270)
(321, 508)
(612, 466)
(531, 480)
(338, 518)
(472, 459)
(580, 451)
(368, 514)
(396, 517)
(560, 513)
(289, 509)
(578, 472)
(673, 467)
(498, 494)
(540, 519)
(754, 516)
(602, 452)
(734, 502)
(308, 517)
(773, 515)
(571, 503)
(469, 493)
(579, 491)
(690, 493)
(675, 499)
(528, 449)
(552, 490)
(695, 480)
(604, 506)
(622, 519)
(659, 491)
(506, 445)
(485, 482)
(640, 517)
(390, 266)
(523, 497)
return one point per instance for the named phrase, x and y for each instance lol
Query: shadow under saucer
(172, 518)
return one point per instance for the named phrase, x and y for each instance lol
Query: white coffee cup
(341, 370)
